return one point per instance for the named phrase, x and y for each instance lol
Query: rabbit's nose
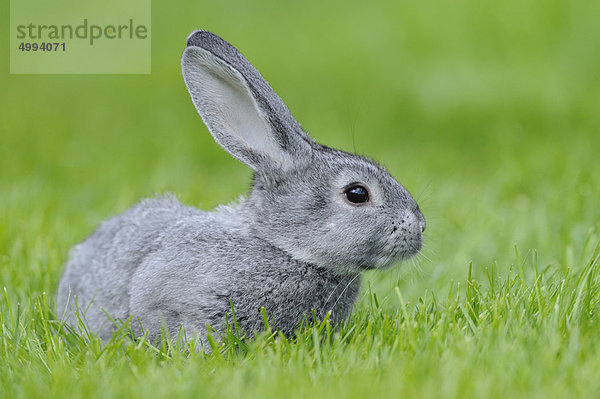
(421, 219)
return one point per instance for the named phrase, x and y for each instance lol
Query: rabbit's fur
(295, 245)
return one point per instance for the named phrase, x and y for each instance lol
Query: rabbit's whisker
(330, 295)
(345, 288)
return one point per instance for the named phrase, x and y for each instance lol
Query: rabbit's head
(323, 206)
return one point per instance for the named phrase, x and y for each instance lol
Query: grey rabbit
(314, 219)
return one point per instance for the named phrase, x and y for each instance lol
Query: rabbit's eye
(357, 194)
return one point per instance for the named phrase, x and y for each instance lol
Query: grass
(536, 339)
(487, 112)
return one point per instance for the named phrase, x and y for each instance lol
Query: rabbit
(313, 220)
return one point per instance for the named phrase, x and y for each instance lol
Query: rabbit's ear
(238, 106)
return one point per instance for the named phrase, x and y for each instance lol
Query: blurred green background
(488, 112)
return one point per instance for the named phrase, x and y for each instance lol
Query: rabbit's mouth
(396, 250)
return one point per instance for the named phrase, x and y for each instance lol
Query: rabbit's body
(175, 273)
(315, 218)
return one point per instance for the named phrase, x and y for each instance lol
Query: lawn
(488, 112)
